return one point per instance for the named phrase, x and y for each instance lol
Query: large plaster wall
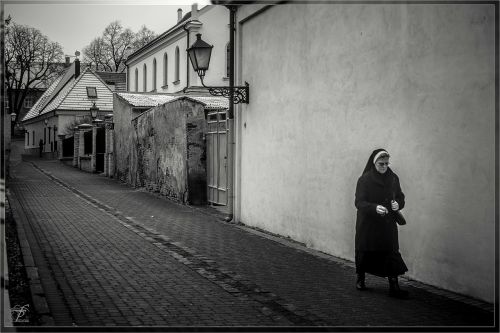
(330, 83)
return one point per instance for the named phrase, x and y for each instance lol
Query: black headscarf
(370, 165)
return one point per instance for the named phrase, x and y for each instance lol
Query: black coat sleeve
(399, 195)
(361, 200)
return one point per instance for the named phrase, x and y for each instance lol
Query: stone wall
(168, 151)
(123, 155)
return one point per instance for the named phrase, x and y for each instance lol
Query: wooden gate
(217, 157)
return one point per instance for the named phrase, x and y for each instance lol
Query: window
(44, 134)
(145, 78)
(91, 92)
(27, 138)
(33, 137)
(228, 59)
(165, 70)
(177, 64)
(154, 74)
(28, 102)
(136, 80)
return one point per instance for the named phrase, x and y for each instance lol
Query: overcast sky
(74, 23)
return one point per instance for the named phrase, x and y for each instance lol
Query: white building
(67, 101)
(329, 83)
(163, 66)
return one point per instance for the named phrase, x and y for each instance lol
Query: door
(100, 149)
(217, 157)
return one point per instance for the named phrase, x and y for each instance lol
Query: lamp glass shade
(199, 54)
(93, 111)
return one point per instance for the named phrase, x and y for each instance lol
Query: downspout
(187, 58)
(230, 115)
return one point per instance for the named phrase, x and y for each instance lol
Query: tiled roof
(35, 110)
(212, 102)
(73, 95)
(146, 100)
(152, 100)
(119, 79)
(77, 98)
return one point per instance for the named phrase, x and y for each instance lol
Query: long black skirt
(380, 263)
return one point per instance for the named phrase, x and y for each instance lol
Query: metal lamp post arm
(241, 93)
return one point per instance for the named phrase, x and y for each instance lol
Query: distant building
(163, 66)
(67, 101)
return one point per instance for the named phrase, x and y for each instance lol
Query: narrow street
(110, 255)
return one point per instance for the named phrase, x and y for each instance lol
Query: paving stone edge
(36, 290)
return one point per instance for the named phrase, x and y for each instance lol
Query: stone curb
(36, 290)
(405, 280)
(7, 317)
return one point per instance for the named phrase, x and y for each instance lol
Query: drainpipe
(230, 115)
(187, 58)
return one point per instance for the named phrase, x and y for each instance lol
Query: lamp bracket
(241, 93)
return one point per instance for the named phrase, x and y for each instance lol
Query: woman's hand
(394, 205)
(381, 210)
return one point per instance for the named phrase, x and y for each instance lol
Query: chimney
(67, 62)
(179, 15)
(194, 11)
(77, 68)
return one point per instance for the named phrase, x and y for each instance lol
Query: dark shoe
(395, 291)
(360, 282)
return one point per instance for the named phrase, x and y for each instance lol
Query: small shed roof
(152, 100)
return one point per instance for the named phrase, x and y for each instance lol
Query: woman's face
(381, 164)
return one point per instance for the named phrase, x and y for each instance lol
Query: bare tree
(31, 61)
(109, 51)
(143, 37)
(96, 55)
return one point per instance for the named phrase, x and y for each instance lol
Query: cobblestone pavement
(109, 254)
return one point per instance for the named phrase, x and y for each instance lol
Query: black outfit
(40, 144)
(376, 240)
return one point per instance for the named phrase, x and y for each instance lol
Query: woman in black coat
(378, 198)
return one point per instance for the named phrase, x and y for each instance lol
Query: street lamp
(199, 54)
(93, 111)
(12, 122)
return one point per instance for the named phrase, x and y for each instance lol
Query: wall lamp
(93, 111)
(199, 54)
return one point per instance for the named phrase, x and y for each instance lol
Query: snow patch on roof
(152, 100)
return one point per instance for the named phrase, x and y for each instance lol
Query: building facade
(65, 102)
(332, 82)
(163, 66)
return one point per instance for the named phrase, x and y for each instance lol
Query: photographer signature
(18, 312)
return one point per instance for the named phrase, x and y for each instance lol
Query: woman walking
(378, 198)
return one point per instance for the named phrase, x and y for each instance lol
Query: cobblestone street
(107, 254)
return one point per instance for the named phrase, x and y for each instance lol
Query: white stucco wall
(214, 31)
(330, 83)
